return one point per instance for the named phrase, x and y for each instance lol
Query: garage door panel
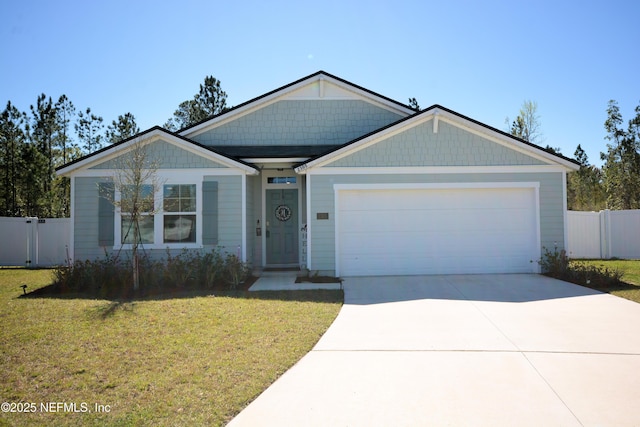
(436, 199)
(429, 245)
(436, 231)
(385, 265)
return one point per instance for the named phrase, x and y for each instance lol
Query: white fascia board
(283, 94)
(363, 143)
(243, 110)
(432, 170)
(366, 96)
(504, 140)
(104, 156)
(99, 173)
(449, 118)
(148, 139)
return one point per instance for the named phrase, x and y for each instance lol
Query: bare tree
(136, 182)
(527, 125)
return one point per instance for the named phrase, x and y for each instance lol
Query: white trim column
(308, 199)
(565, 246)
(244, 217)
(72, 215)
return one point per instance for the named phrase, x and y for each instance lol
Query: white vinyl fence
(34, 242)
(38, 242)
(605, 234)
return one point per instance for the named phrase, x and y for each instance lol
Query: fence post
(605, 234)
(31, 242)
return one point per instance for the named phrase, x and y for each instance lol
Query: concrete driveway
(482, 350)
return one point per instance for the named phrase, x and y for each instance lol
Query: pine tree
(122, 129)
(622, 160)
(209, 101)
(584, 187)
(12, 140)
(89, 128)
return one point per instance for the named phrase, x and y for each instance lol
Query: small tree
(527, 125)
(136, 181)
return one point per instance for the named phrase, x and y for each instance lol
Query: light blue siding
(302, 122)
(323, 231)
(165, 155)
(86, 218)
(451, 146)
(230, 212)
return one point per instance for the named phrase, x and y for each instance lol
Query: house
(327, 175)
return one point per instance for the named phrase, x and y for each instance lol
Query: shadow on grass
(119, 300)
(109, 309)
(620, 286)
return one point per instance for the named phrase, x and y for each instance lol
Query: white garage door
(437, 231)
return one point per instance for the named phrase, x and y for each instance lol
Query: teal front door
(282, 227)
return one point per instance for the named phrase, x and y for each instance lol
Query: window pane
(172, 205)
(179, 228)
(179, 198)
(281, 180)
(188, 191)
(146, 229)
(188, 205)
(171, 191)
(143, 195)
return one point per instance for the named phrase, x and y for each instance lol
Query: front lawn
(630, 286)
(192, 360)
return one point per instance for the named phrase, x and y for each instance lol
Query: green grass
(630, 288)
(194, 360)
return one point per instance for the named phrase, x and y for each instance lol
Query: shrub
(555, 264)
(558, 265)
(235, 271)
(110, 276)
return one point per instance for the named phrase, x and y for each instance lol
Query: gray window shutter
(105, 214)
(210, 213)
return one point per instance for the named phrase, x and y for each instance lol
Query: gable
(450, 146)
(168, 151)
(300, 122)
(166, 156)
(320, 109)
(438, 137)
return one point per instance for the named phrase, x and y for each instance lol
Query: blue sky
(481, 59)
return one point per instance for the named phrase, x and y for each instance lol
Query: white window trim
(158, 223)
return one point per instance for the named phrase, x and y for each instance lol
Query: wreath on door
(283, 213)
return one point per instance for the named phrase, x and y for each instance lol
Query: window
(179, 213)
(281, 180)
(168, 216)
(145, 202)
